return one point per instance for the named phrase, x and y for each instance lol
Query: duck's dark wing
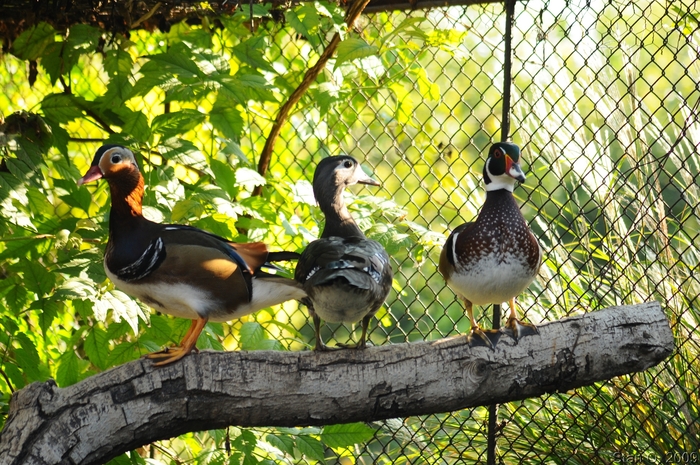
(362, 263)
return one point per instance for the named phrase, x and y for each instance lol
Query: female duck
(345, 275)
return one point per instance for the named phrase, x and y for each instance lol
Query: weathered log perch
(135, 404)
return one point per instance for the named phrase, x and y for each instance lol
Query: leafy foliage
(614, 203)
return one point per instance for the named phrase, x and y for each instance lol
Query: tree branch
(135, 404)
(311, 74)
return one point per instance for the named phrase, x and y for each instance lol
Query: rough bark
(135, 404)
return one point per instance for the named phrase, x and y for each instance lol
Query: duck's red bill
(93, 174)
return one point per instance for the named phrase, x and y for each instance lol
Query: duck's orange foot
(169, 355)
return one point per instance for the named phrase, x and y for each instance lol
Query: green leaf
(243, 87)
(61, 108)
(227, 119)
(135, 124)
(251, 335)
(353, 48)
(346, 435)
(245, 442)
(30, 45)
(78, 198)
(82, 39)
(75, 288)
(49, 311)
(428, 89)
(251, 52)
(183, 151)
(248, 178)
(122, 353)
(37, 278)
(184, 32)
(97, 347)
(150, 80)
(305, 20)
(159, 329)
(122, 306)
(177, 121)
(51, 61)
(118, 63)
(176, 61)
(27, 357)
(67, 372)
(282, 442)
(15, 374)
(311, 447)
(225, 176)
(269, 344)
(186, 210)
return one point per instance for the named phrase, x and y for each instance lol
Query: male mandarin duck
(493, 259)
(345, 275)
(178, 269)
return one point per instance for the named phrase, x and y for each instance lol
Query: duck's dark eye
(116, 158)
(347, 164)
(498, 153)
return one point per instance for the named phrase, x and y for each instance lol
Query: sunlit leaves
(123, 307)
(346, 435)
(195, 103)
(186, 210)
(227, 119)
(81, 39)
(311, 447)
(353, 48)
(177, 61)
(305, 20)
(118, 64)
(177, 122)
(248, 178)
(251, 52)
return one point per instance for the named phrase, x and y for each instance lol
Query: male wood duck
(345, 275)
(493, 259)
(178, 269)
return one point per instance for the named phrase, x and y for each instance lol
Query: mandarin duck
(493, 259)
(181, 270)
(345, 275)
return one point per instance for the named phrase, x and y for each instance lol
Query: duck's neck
(127, 198)
(339, 222)
(500, 204)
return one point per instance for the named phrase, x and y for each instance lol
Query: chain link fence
(605, 107)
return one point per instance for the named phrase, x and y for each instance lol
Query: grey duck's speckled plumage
(346, 276)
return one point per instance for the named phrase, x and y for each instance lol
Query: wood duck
(178, 269)
(492, 260)
(345, 275)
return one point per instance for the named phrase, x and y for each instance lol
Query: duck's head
(110, 161)
(336, 173)
(502, 168)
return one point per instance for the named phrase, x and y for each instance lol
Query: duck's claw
(518, 329)
(169, 355)
(478, 337)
